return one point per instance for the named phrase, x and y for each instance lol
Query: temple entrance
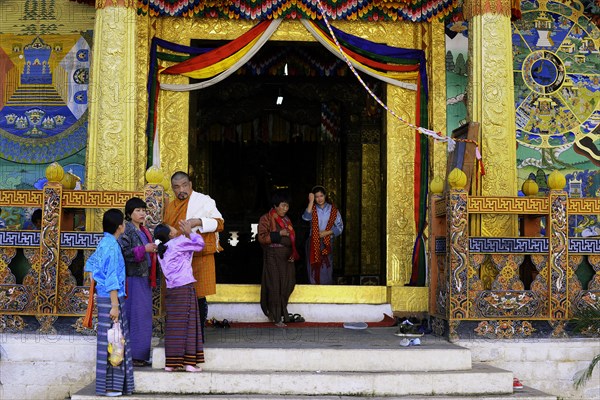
(293, 116)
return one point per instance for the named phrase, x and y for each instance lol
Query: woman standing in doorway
(325, 224)
(140, 264)
(277, 237)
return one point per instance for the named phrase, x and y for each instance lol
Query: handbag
(116, 345)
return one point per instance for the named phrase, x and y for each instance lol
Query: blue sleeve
(338, 225)
(111, 268)
(306, 215)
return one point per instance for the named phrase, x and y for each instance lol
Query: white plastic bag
(116, 345)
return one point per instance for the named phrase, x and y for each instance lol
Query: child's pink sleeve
(194, 243)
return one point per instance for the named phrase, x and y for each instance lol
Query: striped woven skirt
(183, 336)
(138, 308)
(109, 378)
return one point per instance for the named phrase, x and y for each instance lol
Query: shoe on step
(113, 394)
(517, 385)
(405, 342)
(191, 368)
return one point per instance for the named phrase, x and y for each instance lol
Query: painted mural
(45, 50)
(557, 94)
(556, 56)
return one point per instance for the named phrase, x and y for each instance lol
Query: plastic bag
(116, 345)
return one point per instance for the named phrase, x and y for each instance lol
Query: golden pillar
(114, 159)
(490, 94)
(116, 150)
(435, 52)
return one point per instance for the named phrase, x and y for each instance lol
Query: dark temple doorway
(294, 116)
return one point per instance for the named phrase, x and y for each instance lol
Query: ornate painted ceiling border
(367, 10)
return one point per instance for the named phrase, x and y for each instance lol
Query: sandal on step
(298, 318)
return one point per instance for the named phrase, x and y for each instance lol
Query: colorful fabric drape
(351, 10)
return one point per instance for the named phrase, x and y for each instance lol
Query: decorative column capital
(473, 8)
(115, 3)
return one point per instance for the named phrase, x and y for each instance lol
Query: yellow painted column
(113, 157)
(436, 69)
(490, 94)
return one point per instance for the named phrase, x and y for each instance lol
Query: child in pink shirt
(183, 337)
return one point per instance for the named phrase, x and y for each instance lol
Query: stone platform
(324, 363)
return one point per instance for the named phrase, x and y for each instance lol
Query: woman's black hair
(321, 189)
(132, 204)
(111, 220)
(162, 232)
(280, 196)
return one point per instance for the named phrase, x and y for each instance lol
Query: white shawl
(204, 208)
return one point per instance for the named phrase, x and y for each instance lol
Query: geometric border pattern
(490, 245)
(584, 246)
(69, 198)
(80, 240)
(508, 245)
(19, 238)
(68, 240)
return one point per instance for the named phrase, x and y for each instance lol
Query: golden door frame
(173, 117)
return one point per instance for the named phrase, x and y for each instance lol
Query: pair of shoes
(218, 324)
(408, 329)
(517, 385)
(410, 342)
(169, 369)
(191, 368)
(295, 318)
(113, 394)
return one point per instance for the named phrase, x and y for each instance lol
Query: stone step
(481, 380)
(326, 350)
(408, 359)
(526, 393)
(381, 383)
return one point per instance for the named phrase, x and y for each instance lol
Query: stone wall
(544, 364)
(38, 366)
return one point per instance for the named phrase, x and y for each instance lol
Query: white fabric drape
(336, 52)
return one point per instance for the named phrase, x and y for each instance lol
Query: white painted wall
(37, 366)
(544, 364)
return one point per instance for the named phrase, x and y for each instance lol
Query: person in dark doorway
(277, 237)
(325, 224)
(204, 217)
